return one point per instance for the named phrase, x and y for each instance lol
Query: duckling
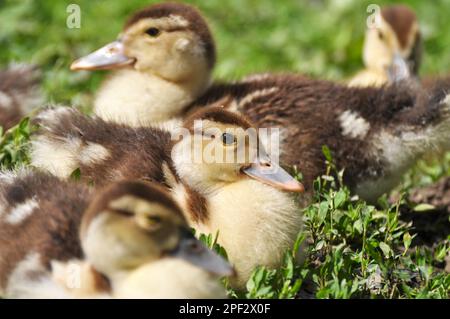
(392, 48)
(132, 234)
(375, 134)
(19, 93)
(243, 201)
(156, 254)
(165, 54)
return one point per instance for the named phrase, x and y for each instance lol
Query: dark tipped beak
(195, 252)
(265, 171)
(111, 56)
(399, 69)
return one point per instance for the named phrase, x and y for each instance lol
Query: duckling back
(28, 242)
(103, 151)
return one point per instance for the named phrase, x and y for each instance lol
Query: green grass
(353, 249)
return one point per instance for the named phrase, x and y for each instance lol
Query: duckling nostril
(195, 247)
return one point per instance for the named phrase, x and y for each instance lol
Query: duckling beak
(110, 56)
(195, 252)
(399, 69)
(265, 171)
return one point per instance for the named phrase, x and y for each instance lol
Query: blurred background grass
(322, 38)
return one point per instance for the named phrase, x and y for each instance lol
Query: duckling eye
(380, 35)
(154, 219)
(228, 139)
(149, 222)
(153, 32)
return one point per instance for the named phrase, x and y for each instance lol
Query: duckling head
(393, 44)
(130, 224)
(218, 147)
(169, 40)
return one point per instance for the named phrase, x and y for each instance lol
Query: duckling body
(19, 93)
(198, 187)
(392, 48)
(268, 227)
(28, 241)
(53, 243)
(375, 134)
(169, 278)
(138, 90)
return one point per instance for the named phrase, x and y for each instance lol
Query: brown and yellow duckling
(166, 56)
(130, 240)
(19, 93)
(392, 48)
(375, 134)
(243, 200)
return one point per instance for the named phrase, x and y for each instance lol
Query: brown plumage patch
(401, 18)
(197, 205)
(101, 282)
(143, 190)
(219, 115)
(51, 231)
(135, 153)
(197, 23)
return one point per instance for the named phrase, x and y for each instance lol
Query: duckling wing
(102, 151)
(39, 221)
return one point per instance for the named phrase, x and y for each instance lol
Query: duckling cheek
(230, 156)
(144, 222)
(377, 54)
(169, 243)
(182, 44)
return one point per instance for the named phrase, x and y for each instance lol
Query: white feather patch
(59, 158)
(21, 211)
(53, 115)
(249, 98)
(31, 280)
(92, 153)
(353, 124)
(5, 101)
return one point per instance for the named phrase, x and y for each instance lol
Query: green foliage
(354, 251)
(212, 243)
(75, 175)
(14, 145)
(281, 283)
